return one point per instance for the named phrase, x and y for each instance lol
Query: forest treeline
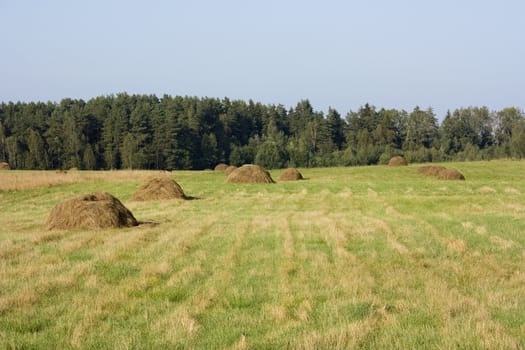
(148, 132)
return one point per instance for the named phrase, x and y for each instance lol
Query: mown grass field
(362, 257)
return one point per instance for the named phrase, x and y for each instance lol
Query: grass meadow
(350, 258)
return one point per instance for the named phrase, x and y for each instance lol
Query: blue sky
(394, 54)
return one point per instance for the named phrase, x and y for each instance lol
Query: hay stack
(221, 167)
(291, 174)
(250, 173)
(159, 188)
(229, 170)
(397, 161)
(450, 174)
(4, 166)
(92, 211)
(430, 170)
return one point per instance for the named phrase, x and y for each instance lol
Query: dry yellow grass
(23, 180)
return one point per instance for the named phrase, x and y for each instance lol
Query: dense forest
(148, 132)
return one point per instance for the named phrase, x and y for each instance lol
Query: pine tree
(3, 149)
(336, 127)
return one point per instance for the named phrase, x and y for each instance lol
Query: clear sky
(394, 54)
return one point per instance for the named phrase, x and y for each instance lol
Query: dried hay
(397, 161)
(250, 173)
(229, 170)
(221, 167)
(4, 166)
(291, 174)
(486, 190)
(450, 174)
(159, 188)
(430, 170)
(97, 210)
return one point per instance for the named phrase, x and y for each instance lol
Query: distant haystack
(221, 167)
(290, 174)
(450, 174)
(430, 170)
(98, 210)
(397, 161)
(229, 170)
(250, 173)
(4, 166)
(159, 188)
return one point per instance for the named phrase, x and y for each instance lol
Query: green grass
(362, 257)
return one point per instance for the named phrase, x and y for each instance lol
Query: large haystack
(291, 174)
(4, 166)
(221, 167)
(159, 188)
(397, 161)
(229, 170)
(450, 174)
(250, 173)
(92, 211)
(430, 170)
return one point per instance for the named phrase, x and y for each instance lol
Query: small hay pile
(450, 174)
(97, 210)
(250, 173)
(440, 172)
(430, 170)
(221, 167)
(159, 188)
(291, 174)
(4, 166)
(486, 190)
(229, 170)
(397, 161)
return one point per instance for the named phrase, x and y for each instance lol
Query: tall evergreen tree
(3, 148)
(72, 142)
(55, 138)
(141, 131)
(336, 127)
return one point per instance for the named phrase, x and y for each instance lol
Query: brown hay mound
(250, 173)
(229, 170)
(431, 170)
(93, 211)
(4, 166)
(159, 188)
(450, 174)
(291, 174)
(221, 167)
(397, 161)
